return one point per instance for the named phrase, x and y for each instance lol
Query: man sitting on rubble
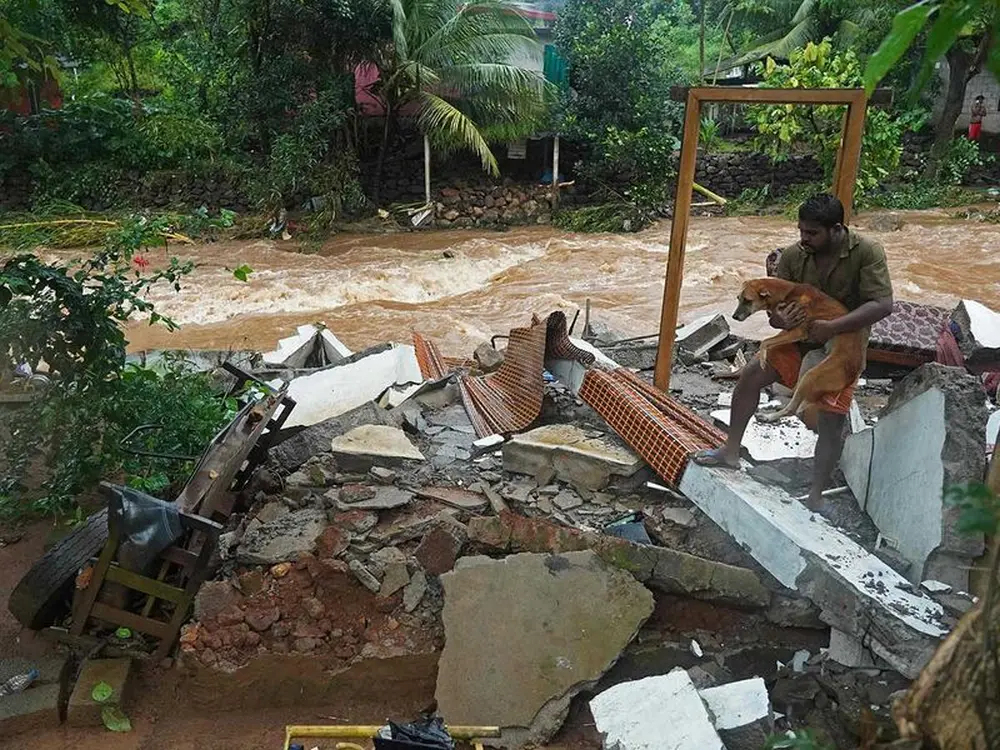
(853, 270)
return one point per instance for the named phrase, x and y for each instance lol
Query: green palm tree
(454, 67)
(786, 25)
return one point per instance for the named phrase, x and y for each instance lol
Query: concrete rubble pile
(553, 563)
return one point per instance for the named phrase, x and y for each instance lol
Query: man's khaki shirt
(860, 275)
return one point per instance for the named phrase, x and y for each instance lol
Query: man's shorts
(791, 364)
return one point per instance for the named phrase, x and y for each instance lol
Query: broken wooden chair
(202, 507)
(185, 560)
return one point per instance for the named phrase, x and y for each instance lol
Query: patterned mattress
(909, 336)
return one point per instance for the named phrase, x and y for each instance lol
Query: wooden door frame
(844, 177)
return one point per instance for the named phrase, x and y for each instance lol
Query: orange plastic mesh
(432, 364)
(663, 432)
(510, 399)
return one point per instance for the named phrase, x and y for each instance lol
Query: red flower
(140, 262)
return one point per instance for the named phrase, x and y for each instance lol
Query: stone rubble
(364, 538)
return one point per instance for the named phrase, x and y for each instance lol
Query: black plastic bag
(148, 525)
(428, 733)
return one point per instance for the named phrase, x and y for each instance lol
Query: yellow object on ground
(367, 732)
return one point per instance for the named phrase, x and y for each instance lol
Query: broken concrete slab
(695, 339)
(979, 333)
(553, 607)
(584, 462)
(414, 591)
(855, 590)
(373, 445)
(679, 517)
(381, 498)
(396, 577)
(82, 710)
(788, 438)
(304, 345)
(295, 450)
(741, 713)
(930, 437)
(664, 712)
(456, 497)
(661, 568)
(849, 651)
(284, 539)
(342, 387)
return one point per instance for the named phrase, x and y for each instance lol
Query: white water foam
(212, 294)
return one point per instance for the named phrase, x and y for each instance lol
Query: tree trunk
(962, 68)
(382, 149)
(701, 42)
(954, 703)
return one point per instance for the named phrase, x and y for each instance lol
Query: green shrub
(963, 156)
(783, 130)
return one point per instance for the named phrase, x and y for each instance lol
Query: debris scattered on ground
(390, 520)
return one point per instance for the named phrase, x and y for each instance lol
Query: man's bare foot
(815, 503)
(716, 457)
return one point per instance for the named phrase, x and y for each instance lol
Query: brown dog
(838, 370)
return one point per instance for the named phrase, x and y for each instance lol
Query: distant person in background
(976, 120)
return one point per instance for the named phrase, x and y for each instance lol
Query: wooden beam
(845, 177)
(151, 586)
(755, 95)
(849, 157)
(678, 237)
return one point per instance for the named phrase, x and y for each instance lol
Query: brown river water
(374, 288)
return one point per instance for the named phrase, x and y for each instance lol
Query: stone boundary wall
(463, 196)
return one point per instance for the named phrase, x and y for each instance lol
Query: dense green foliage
(69, 316)
(782, 130)
(621, 71)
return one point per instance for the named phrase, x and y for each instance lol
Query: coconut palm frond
(442, 120)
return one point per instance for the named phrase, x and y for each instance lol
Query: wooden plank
(83, 613)
(129, 620)
(753, 94)
(180, 557)
(678, 237)
(151, 586)
(180, 615)
(850, 156)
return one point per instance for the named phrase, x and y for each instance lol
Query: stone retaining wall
(463, 196)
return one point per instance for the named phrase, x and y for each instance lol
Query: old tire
(45, 591)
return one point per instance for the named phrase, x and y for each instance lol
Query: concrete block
(346, 386)
(565, 619)
(697, 337)
(664, 712)
(741, 713)
(929, 438)
(855, 590)
(661, 568)
(789, 438)
(293, 450)
(373, 445)
(586, 463)
(39, 706)
(849, 651)
(979, 337)
(287, 538)
(83, 710)
(294, 351)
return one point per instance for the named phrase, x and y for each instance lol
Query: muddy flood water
(374, 288)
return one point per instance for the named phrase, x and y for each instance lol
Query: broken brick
(332, 542)
(439, 550)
